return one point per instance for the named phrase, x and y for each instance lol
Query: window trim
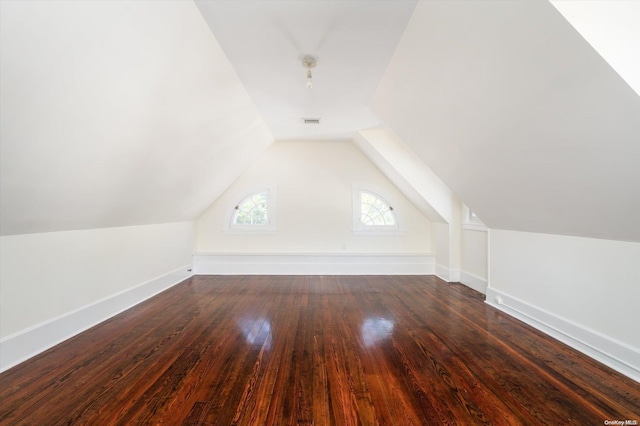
(361, 229)
(241, 229)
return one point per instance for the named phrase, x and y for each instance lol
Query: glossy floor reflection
(256, 331)
(375, 330)
(321, 350)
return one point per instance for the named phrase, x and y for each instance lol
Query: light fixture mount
(308, 62)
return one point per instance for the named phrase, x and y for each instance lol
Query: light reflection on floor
(375, 330)
(257, 331)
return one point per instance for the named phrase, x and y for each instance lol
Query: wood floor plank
(314, 350)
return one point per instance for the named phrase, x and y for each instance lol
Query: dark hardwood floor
(314, 350)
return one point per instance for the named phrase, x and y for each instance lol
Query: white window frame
(242, 229)
(470, 222)
(360, 228)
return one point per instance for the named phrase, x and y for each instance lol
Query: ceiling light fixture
(309, 62)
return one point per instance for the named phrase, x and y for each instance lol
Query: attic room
(319, 212)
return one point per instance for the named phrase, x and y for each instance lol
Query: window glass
(375, 211)
(253, 210)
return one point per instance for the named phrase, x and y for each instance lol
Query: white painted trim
(358, 227)
(611, 352)
(271, 228)
(313, 264)
(20, 346)
(446, 274)
(473, 281)
(442, 272)
(470, 223)
(474, 227)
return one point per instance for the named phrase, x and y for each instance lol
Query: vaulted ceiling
(126, 113)
(352, 41)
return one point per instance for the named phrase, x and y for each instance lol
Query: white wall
(314, 204)
(441, 245)
(587, 290)
(408, 172)
(56, 284)
(455, 229)
(474, 261)
(474, 252)
(418, 183)
(447, 244)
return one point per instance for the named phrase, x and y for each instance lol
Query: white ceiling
(612, 27)
(115, 114)
(127, 113)
(352, 40)
(519, 116)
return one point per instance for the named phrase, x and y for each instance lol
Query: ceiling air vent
(311, 120)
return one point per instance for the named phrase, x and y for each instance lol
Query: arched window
(375, 211)
(255, 212)
(252, 210)
(372, 212)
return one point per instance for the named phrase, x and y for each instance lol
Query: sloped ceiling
(126, 113)
(115, 114)
(611, 27)
(519, 116)
(408, 173)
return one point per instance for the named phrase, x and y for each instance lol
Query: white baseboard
(442, 272)
(20, 346)
(611, 352)
(446, 274)
(474, 282)
(313, 264)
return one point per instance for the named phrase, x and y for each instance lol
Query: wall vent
(311, 120)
